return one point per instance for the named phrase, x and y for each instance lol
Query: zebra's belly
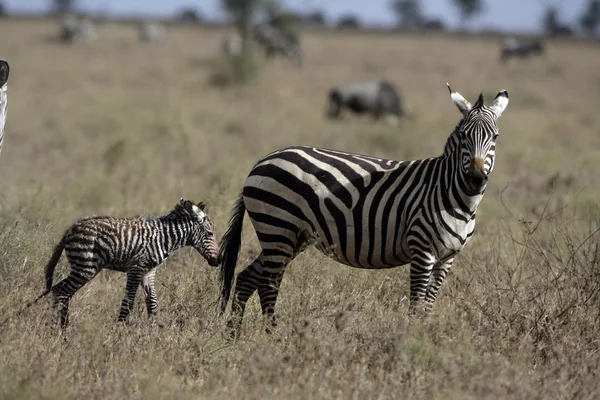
(365, 258)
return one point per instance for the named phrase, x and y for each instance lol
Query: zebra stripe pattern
(362, 211)
(136, 246)
(4, 72)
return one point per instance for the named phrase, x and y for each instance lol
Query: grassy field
(120, 128)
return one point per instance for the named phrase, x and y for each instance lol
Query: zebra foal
(136, 246)
(362, 211)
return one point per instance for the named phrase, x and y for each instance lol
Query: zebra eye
(495, 137)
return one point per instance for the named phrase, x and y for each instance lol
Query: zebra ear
(202, 206)
(199, 212)
(4, 71)
(461, 103)
(500, 103)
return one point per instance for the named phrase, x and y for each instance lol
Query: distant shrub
(189, 15)
(348, 22)
(235, 70)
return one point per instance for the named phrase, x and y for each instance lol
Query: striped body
(136, 246)
(362, 211)
(4, 72)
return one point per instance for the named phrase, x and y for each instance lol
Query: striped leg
(440, 270)
(246, 284)
(134, 278)
(421, 265)
(268, 291)
(65, 289)
(148, 285)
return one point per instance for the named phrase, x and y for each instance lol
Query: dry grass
(118, 128)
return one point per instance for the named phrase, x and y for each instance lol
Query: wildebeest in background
(151, 32)
(522, 48)
(377, 98)
(73, 28)
(276, 42)
(231, 45)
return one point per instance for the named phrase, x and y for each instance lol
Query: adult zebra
(4, 71)
(362, 211)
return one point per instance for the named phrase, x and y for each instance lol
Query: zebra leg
(421, 265)
(246, 284)
(440, 270)
(148, 285)
(65, 289)
(134, 278)
(268, 291)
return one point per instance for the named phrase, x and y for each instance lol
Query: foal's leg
(148, 285)
(134, 278)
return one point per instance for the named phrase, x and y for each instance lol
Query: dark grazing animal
(377, 98)
(363, 211)
(521, 48)
(276, 42)
(136, 246)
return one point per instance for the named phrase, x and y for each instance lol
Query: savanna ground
(119, 128)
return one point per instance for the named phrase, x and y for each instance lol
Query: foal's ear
(500, 103)
(188, 205)
(459, 101)
(202, 206)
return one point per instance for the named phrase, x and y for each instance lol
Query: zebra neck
(176, 233)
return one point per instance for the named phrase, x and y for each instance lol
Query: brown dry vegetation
(120, 128)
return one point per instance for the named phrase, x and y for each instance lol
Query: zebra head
(476, 134)
(203, 237)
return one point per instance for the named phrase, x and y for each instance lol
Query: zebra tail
(230, 247)
(58, 249)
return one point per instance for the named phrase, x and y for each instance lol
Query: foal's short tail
(50, 269)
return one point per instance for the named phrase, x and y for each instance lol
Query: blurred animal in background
(136, 246)
(277, 42)
(151, 32)
(74, 29)
(231, 45)
(4, 71)
(521, 48)
(378, 98)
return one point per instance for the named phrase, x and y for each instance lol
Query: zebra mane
(179, 212)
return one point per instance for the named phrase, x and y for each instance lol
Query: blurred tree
(189, 15)
(468, 9)
(551, 24)
(316, 18)
(242, 13)
(590, 18)
(349, 22)
(408, 12)
(274, 15)
(63, 6)
(2, 9)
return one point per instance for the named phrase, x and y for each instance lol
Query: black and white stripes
(363, 211)
(136, 246)
(4, 72)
